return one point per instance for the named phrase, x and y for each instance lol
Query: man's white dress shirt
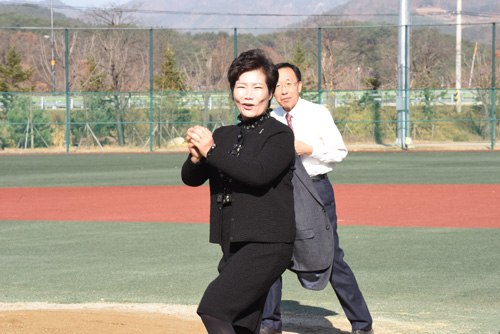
(313, 124)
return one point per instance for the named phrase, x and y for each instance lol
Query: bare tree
(333, 75)
(122, 55)
(43, 65)
(42, 60)
(430, 53)
(483, 79)
(208, 72)
(113, 15)
(285, 44)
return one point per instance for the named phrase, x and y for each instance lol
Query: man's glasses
(288, 85)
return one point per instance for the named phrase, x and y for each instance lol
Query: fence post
(319, 65)
(493, 88)
(235, 42)
(66, 74)
(151, 90)
(235, 56)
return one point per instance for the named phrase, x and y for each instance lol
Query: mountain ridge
(225, 14)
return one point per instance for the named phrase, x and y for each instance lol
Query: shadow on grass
(305, 319)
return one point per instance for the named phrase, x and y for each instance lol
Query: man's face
(288, 89)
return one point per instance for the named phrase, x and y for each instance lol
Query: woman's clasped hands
(199, 140)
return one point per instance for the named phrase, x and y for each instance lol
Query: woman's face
(251, 95)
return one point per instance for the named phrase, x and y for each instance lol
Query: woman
(249, 167)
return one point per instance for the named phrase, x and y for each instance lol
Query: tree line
(117, 58)
(353, 54)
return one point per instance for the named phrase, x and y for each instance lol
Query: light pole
(52, 61)
(403, 98)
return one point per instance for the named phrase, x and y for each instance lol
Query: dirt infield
(97, 319)
(43, 318)
(381, 205)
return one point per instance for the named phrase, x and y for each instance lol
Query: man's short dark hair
(293, 67)
(252, 60)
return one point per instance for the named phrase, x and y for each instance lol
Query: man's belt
(317, 178)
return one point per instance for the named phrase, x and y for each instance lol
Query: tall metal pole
(52, 61)
(66, 74)
(319, 65)
(235, 42)
(235, 47)
(493, 87)
(458, 59)
(403, 99)
(151, 89)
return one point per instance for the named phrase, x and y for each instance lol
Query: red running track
(476, 206)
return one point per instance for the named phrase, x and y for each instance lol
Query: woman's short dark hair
(252, 60)
(293, 67)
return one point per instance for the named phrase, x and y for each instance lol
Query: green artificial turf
(418, 168)
(79, 170)
(68, 262)
(442, 280)
(151, 169)
(425, 275)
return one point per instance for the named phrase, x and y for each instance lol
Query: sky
(90, 3)
(77, 3)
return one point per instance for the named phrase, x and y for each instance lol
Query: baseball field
(114, 243)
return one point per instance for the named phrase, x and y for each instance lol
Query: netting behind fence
(142, 88)
(145, 122)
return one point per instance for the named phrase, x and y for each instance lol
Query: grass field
(423, 280)
(143, 169)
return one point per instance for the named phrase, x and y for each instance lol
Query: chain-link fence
(109, 89)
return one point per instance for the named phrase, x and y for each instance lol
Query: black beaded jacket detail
(261, 188)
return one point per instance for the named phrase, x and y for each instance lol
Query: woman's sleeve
(194, 174)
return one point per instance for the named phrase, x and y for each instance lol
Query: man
(319, 144)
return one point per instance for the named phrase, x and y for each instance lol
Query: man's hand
(303, 148)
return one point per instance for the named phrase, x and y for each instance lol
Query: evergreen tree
(98, 111)
(24, 117)
(13, 78)
(169, 77)
(91, 80)
(19, 109)
(12, 75)
(299, 59)
(173, 82)
(371, 101)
